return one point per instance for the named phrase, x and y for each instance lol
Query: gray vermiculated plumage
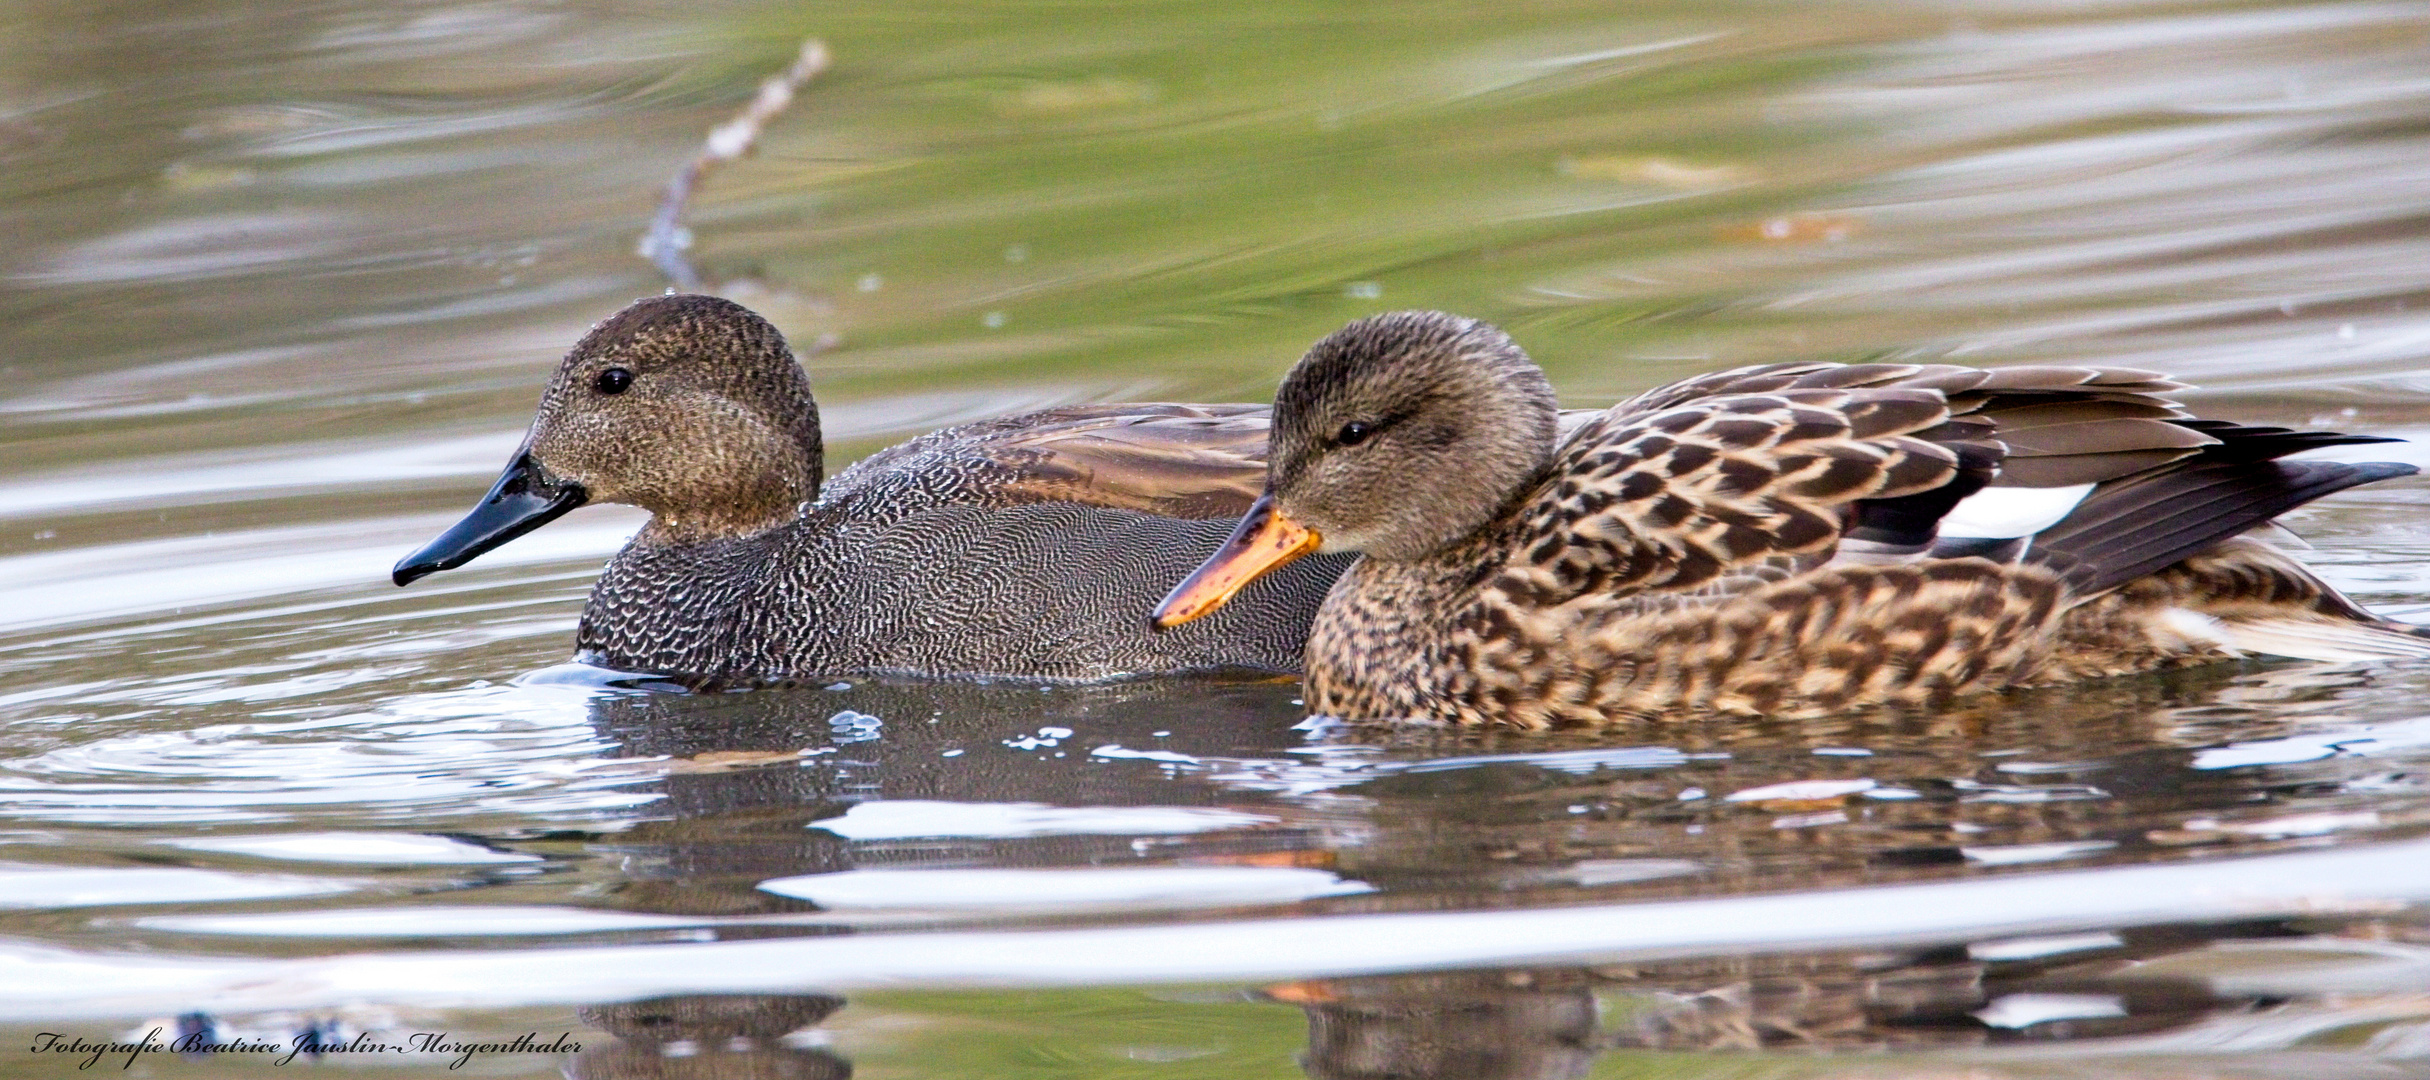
(1028, 546)
(1761, 541)
(921, 565)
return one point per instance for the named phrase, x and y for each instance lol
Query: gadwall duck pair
(1772, 541)
(1775, 540)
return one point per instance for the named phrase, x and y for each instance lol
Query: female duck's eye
(612, 381)
(1354, 433)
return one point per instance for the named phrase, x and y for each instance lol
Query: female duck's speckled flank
(1778, 540)
(1026, 546)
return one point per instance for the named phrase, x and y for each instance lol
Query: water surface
(284, 282)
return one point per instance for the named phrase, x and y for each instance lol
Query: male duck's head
(690, 407)
(1397, 436)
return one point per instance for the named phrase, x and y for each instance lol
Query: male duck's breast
(1049, 589)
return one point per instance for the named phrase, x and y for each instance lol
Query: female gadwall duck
(1024, 546)
(1779, 540)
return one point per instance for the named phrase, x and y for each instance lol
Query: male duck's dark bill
(523, 499)
(1264, 541)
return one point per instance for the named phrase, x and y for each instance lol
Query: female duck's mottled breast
(1776, 540)
(1026, 546)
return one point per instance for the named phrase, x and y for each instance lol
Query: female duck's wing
(1670, 498)
(2091, 472)
(1687, 483)
(2060, 426)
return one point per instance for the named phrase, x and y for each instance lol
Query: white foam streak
(38, 981)
(902, 819)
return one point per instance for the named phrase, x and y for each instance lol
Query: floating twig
(668, 240)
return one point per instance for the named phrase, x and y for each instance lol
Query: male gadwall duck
(1781, 540)
(1025, 546)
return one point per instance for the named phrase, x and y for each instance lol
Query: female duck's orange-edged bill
(1264, 541)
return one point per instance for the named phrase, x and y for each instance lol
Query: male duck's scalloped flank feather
(1777, 540)
(1024, 546)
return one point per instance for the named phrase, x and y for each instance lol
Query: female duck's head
(1399, 435)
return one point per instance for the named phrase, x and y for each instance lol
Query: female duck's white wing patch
(2003, 513)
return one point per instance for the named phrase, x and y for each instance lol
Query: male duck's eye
(1354, 433)
(613, 381)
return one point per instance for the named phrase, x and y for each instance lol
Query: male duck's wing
(1186, 461)
(1681, 485)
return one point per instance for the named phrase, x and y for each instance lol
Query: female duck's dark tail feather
(2245, 442)
(2146, 522)
(2143, 524)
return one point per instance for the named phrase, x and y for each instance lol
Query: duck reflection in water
(1553, 1023)
(740, 803)
(737, 1036)
(2080, 776)
(1479, 819)
(1516, 1025)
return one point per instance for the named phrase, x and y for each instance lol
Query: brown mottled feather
(1670, 499)
(2096, 414)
